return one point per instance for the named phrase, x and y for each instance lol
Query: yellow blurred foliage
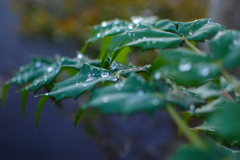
(73, 18)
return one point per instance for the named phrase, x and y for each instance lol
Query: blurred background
(45, 28)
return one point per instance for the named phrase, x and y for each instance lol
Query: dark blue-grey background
(139, 137)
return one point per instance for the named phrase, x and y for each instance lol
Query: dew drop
(144, 37)
(116, 21)
(130, 26)
(79, 55)
(18, 78)
(137, 20)
(46, 94)
(105, 99)
(190, 32)
(104, 24)
(155, 102)
(49, 69)
(209, 21)
(38, 64)
(192, 107)
(235, 42)
(140, 93)
(77, 84)
(90, 79)
(99, 35)
(157, 75)
(205, 71)
(21, 68)
(184, 67)
(129, 33)
(104, 74)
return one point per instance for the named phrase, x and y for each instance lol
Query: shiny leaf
(126, 97)
(185, 67)
(210, 152)
(223, 124)
(199, 30)
(225, 47)
(166, 25)
(139, 37)
(109, 28)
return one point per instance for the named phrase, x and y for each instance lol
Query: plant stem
(193, 138)
(231, 80)
(192, 47)
(84, 48)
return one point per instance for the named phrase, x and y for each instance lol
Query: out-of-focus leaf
(199, 30)
(223, 124)
(30, 71)
(24, 95)
(185, 67)
(166, 25)
(225, 47)
(140, 37)
(78, 116)
(4, 93)
(41, 102)
(206, 110)
(210, 90)
(210, 152)
(126, 97)
(109, 28)
(105, 43)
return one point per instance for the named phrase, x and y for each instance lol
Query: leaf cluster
(182, 76)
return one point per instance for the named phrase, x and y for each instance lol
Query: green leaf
(44, 79)
(126, 97)
(199, 30)
(41, 102)
(105, 43)
(139, 37)
(30, 71)
(85, 80)
(210, 152)
(4, 93)
(206, 110)
(124, 55)
(24, 95)
(166, 25)
(109, 28)
(210, 89)
(79, 115)
(185, 67)
(225, 48)
(223, 124)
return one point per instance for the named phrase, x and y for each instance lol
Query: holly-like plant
(181, 76)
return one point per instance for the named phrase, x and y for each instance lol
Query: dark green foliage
(184, 66)
(222, 123)
(225, 47)
(215, 98)
(199, 30)
(209, 152)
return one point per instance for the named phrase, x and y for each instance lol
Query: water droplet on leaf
(157, 76)
(105, 99)
(104, 24)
